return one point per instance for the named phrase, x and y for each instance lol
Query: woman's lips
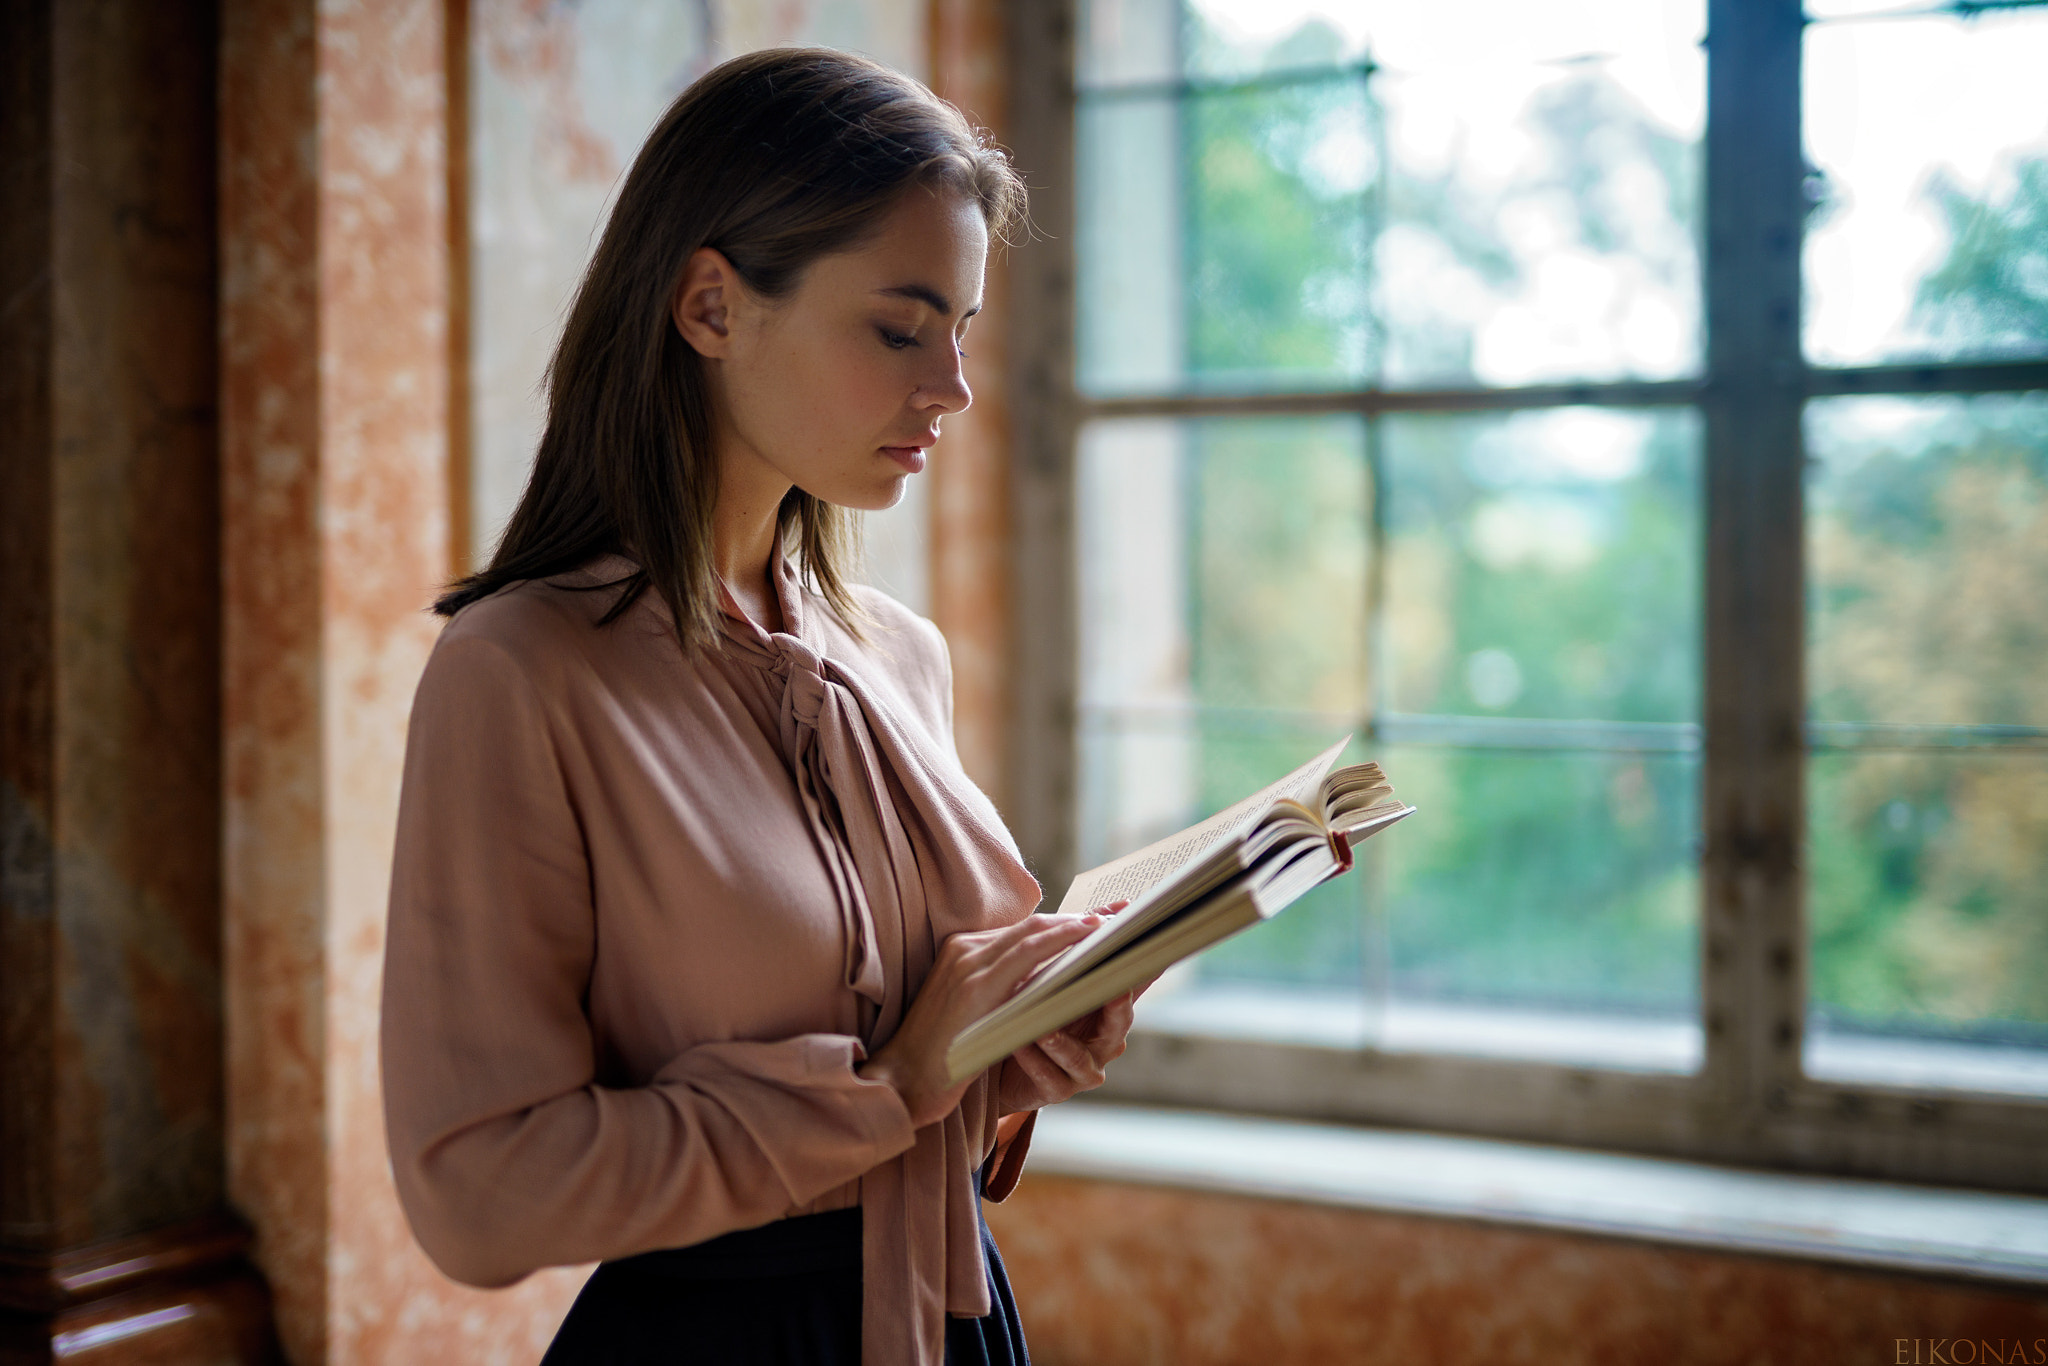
(910, 457)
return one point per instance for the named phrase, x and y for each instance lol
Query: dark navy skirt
(785, 1294)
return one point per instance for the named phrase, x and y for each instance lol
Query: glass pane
(1928, 919)
(1131, 294)
(1854, 9)
(1541, 905)
(1320, 941)
(1928, 555)
(1278, 524)
(1223, 238)
(1544, 564)
(1503, 194)
(1542, 216)
(1927, 628)
(1137, 41)
(1549, 908)
(1223, 627)
(1127, 42)
(1567, 881)
(1929, 239)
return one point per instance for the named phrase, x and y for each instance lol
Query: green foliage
(1571, 572)
(1929, 604)
(1990, 296)
(1533, 876)
(1276, 259)
(1551, 876)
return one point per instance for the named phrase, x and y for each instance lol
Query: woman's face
(838, 387)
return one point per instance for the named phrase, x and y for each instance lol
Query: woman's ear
(703, 304)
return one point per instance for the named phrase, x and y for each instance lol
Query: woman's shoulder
(912, 645)
(898, 647)
(547, 630)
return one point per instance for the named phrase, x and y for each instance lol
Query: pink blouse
(647, 914)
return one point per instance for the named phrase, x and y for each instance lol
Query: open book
(1187, 891)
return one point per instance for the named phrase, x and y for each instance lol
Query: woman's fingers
(1112, 1023)
(1027, 946)
(1074, 1058)
(1048, 1079)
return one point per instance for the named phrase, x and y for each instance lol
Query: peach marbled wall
(337, 291)
(1117, 1275)
(335, 453)
(561, 98)
(110, 1032)
(969, 478)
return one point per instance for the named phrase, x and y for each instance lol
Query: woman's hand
(975, 972)
(1068, 1061)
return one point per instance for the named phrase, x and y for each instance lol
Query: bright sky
(1888, 102)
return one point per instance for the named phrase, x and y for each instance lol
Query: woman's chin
(870, 496)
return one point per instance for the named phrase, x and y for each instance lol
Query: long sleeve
(509, 1154)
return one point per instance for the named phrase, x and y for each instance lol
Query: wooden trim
(28, 622)
(1965, 378)
(462, 548)
(49, 1281)
(1961, 378)
(1311, 402)
(1814, 382)
(1816, 1127)
(1753, 779)
(1045, 747)
(186, 1292)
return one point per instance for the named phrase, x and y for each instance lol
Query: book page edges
(1202, 836)
(1025, 1018)
(978, 1047)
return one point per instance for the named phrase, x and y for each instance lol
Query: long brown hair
(774, 159)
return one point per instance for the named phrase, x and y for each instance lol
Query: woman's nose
(946, 391)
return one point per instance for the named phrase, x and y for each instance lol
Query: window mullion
(1045, 741)
(1753, 799)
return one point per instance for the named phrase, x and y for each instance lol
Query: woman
(690, 890)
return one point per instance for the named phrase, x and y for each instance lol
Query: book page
(1129, 877)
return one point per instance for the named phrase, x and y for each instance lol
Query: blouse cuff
(881, 1105)
(1006, 1163)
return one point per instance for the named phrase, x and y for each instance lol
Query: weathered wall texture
(1116, 1275)
(335, 394)
(971, 534)
(561, 98)
(109, 903)
(338, 292)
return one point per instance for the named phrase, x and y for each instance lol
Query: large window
(1453, 375)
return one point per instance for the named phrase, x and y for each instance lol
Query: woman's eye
(896, 340)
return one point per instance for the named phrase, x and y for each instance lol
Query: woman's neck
(744, 539)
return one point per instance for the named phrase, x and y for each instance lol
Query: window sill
(1669, 1045)
(1880, 1225)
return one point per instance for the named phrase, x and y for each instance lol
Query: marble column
(972, 543)
(336, 420)
(115, 1241)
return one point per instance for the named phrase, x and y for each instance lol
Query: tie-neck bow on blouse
(648, 913)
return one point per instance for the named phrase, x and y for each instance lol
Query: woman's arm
(508, 1155)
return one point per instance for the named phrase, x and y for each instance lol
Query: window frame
(1750, 1102)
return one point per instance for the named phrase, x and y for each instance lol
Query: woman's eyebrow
(925, 294)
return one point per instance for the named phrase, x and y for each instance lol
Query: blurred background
(1508, 602)
(1627, 419)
